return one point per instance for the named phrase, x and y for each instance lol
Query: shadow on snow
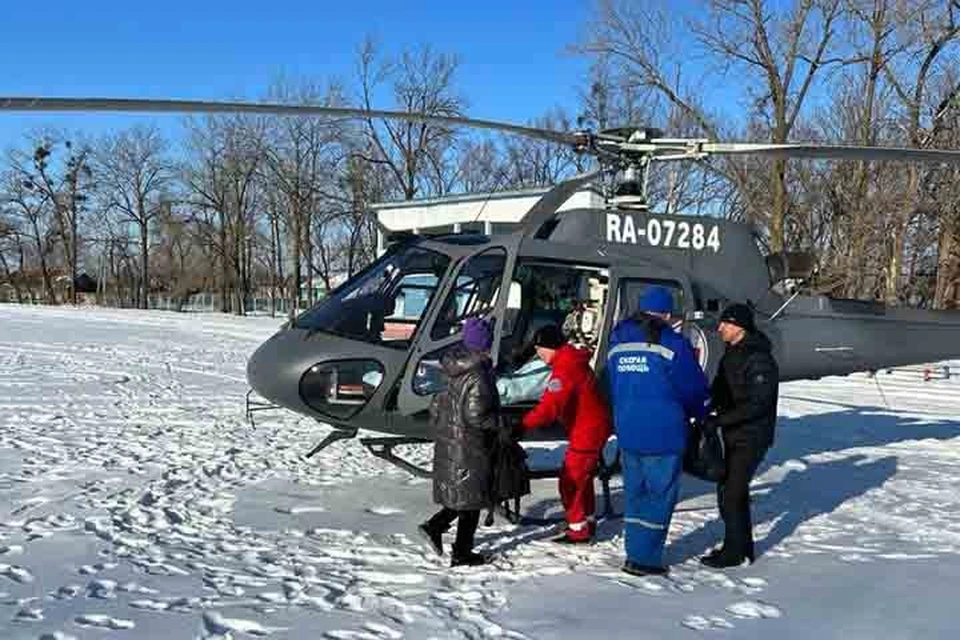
(802, 494)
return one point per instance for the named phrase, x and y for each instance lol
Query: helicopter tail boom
(822, 337)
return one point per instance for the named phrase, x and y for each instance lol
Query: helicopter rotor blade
(147, 105)
(665, 150)
(831, 152)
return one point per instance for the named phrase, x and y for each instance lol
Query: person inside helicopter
(559, 296)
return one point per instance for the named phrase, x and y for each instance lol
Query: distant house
(85, 284)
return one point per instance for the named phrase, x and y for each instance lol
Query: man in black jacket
(745, 399)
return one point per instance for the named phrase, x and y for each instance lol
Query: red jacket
(572, 398)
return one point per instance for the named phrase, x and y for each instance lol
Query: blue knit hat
(477, 335)
(656, 300)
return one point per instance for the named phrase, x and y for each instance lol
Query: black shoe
(433, 538)
(635, 569)
(469, 559)
(712, 555)
(725, 560)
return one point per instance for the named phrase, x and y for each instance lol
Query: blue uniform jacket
(655, 386)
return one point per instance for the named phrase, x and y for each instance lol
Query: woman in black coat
(465, 417)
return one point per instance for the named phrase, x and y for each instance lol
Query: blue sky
(514, 64)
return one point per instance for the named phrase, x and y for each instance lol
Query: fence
(197, 303)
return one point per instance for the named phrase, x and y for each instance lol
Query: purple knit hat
(477, 335)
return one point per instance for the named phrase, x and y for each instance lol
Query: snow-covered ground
(136, 502)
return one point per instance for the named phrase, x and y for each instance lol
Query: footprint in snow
(343, 634)
(16, 573)
(57, 635)
(103, 622)
(216, 624)
(754, 609)
(29, 615)
(383, 631)
(67, 592)
(703, 623)
(298, 509)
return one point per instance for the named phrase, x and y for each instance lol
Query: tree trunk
(73, 248)
(10, 278)
(308, 246)
(295, 286)
(224, 268)
(898, 239)
(778, 216)
(273, 267)
(947, 265)
(144, 266)
(51, 295)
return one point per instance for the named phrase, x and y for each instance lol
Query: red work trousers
(576, 491)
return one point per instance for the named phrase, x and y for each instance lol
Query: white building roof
(502, 207)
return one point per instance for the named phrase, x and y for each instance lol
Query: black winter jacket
(466, 417)
(745, 392)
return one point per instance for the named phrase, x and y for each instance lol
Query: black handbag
(704, 457)
(510, 477)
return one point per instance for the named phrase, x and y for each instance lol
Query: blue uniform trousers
(651, 484)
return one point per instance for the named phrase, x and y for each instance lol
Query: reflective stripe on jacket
(655, 385)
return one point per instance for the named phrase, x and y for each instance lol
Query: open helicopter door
(477, 287)
(629, 283)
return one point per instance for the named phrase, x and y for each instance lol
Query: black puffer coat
(745, 392)
(466, 417)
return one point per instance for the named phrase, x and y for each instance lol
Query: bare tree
(135, 176)
(221, 176)
(782, 48)
(420, 81)
(11, 242)
(66, 188)
(933, 28)
(301, 161)
(33, 209)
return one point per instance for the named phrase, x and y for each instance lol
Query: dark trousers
(466, 527)
(733, 496)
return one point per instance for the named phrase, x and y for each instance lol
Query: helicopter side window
(632, 289)
(474, 294)
(629, 301)
(383, 305)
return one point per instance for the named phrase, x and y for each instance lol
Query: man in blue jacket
(655, 386)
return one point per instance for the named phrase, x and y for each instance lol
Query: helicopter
(365, 358)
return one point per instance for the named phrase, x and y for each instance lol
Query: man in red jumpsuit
(573, 399)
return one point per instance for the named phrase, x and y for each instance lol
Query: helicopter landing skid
(383, 449)
(254, 405)
(334, 436)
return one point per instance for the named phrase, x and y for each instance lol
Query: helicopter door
(474, 291)
(630, 283)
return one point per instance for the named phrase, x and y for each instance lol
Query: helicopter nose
(275, 368)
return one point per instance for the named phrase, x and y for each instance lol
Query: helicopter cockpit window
(474, 294)
(385, 304)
